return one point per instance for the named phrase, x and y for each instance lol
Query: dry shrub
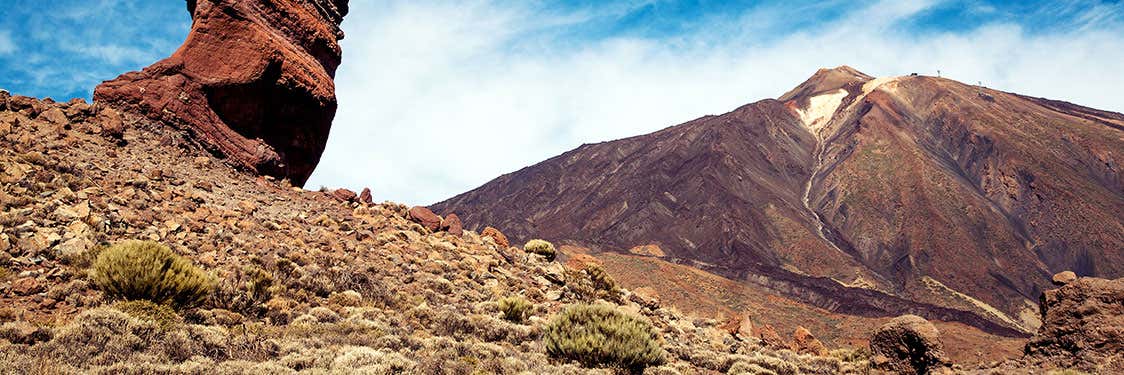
(162, 315)
(134, 270)
(604, 284)
(541, 247)
(245, 291)
(515, 308)
(599, 335)
(366, 360)
(101, 336)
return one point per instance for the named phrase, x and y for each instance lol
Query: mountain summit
(873, 196)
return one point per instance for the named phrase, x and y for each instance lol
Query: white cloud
(438, 99)
(7, 46)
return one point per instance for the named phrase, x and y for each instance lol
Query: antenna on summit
(938, 73)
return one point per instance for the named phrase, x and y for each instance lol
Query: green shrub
(144, 270)
(515, 308)
(540, 247)
(599, 335)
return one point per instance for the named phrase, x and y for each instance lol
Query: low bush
(162, 315)
(605, 285)
(144, 270)
(599, 335)
(515, 308)
(540, 247)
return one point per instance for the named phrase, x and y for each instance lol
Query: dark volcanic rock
(253, 81)
(909, 344)
(1082, 326)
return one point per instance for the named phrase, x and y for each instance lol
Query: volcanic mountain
(862, 195)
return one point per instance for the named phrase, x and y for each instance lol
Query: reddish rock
(27, 105)
(908, 344)
(112, 124)
(365, 196)
(804, 342)
(425, 217)
(343, 195)
(252, 81)
(1082, 326)
(1064, 277)
(452, 224)
(645, 296)
(26, 286)
(497, 236)
(769, 337)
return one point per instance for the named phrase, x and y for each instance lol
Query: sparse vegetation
(144, 270)
(603, 283)
(541, 247)
(599, 335)
(515, 308)
(162, 315)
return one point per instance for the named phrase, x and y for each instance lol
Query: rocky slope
(253, 81)
(307, 283)
(867, 196)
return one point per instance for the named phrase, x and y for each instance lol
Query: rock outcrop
(1082, 326)
(253, 82)
(908, 344)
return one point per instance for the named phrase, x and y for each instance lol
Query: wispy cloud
(7, 46)
(66, 47)
(438, 98)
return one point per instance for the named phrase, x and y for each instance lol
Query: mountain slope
(871, 196)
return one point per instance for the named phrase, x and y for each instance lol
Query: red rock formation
(253, 81)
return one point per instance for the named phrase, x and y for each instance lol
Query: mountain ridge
(832, 171)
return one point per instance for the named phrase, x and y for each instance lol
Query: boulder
(344, 195)
(425, 218)
(452, 224)
(27, 286)
(55, 116)
(365, 197)
(804, 342)
(497, 236)
(253, 81)
(1082, 326)
(769, 337)
(1064, 277)
(908, 344)
(645, 296)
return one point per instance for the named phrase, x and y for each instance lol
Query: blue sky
(63, 48)
(488, 87)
